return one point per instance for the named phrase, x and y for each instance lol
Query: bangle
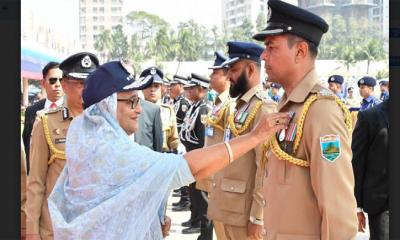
(229, 149)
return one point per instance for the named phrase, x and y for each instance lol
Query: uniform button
(232, 188)
(213, 184)
(264, 203)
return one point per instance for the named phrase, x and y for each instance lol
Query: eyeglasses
(54, 80)
(133, 100)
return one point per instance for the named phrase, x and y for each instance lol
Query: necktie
(53, 105)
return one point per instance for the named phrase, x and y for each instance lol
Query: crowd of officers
(299, 185)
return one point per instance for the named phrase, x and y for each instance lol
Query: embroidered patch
(330, 147)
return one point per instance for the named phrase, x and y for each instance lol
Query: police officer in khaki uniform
(168, 118)
(216, 122)
(309, 184)
(236, 197)
(47, 149)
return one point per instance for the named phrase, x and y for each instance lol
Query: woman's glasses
(133, 100)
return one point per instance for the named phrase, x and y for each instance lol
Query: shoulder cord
(56, 152)
(282, 155)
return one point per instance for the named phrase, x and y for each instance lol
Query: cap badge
(86, 62)
(362, 81)
(332, 79)
(153, 71)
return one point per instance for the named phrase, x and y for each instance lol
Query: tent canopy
(33, 59)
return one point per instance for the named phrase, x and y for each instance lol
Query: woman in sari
(113, 188)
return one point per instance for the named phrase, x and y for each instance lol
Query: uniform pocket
(235, 186)
(233, 198)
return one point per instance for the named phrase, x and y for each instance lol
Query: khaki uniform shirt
(315, 202)
(44, 170)
(169, 128)
(237, 189)
(215, 132)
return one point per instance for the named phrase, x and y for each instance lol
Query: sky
(62, 16)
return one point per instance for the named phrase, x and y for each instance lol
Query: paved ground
(179, 217)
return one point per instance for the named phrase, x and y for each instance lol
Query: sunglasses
(54, 80)
(133, 100)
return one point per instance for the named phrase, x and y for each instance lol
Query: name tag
(60, 140)
(209, 131)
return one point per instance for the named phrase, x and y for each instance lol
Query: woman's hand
(167, 225)
(269, 124)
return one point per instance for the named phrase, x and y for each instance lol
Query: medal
(282, 135)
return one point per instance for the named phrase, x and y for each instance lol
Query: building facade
(96, 16)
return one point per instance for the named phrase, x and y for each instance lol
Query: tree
(243, 32)
(144, 24)
(348, 56)
(192, 41)
(103, 44)
(261, 21)
(120, 44)
(371, 51)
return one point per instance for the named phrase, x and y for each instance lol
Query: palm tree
(372, 51)
(103, 44)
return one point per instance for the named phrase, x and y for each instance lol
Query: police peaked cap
(156, 74)
(79, 65)
(369, 81)
(219, 59)
(179, 79)
(243, 50)
(199, 80)
(287, 18)
(336, 79)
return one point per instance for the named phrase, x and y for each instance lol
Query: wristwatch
(257, 221)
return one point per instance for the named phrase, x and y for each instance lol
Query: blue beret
(286, 18)
(156, 74)
(199, 80)
(276, 85)
(336, 79)
(109, 78)
(243, 50)
(219, 59)
(79, 65)
(369, 81)
(350, 89)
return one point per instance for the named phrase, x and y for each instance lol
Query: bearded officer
(236, 197)
(47, 148)
(313, 155)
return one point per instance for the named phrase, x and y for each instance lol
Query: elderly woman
(113, 188)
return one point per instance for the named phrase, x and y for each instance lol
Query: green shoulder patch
(330, 147)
